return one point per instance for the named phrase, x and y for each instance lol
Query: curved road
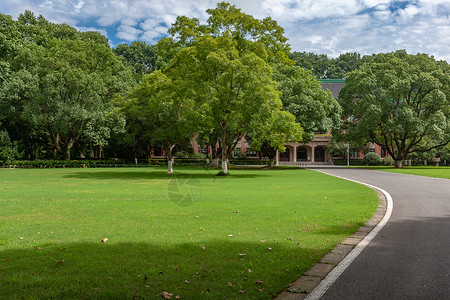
(410, 256)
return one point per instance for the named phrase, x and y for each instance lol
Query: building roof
(334, 85)
(332, 80)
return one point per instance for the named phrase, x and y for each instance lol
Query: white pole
(348, 154)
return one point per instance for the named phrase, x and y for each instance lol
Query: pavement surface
(410, 256)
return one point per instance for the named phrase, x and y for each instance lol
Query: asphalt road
(410, 256)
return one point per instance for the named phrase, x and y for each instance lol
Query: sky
(330, 27)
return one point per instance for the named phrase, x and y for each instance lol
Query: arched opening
(302, 154)
(319, 154)
(284, 156)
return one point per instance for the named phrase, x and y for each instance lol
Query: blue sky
(321, 26)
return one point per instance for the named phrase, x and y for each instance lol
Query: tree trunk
(170, 157)
(271, 162)
(225, 159)
(56, 144)
(68, 153)
(215, 162)
(399, 163)
(91, 151)
(170, 166)
(69, 147)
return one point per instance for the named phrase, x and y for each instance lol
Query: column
(295, 154)
(312, 153)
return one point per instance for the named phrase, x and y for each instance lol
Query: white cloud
(128, 33)
(321, 26)
(100, 30)
(79, 6)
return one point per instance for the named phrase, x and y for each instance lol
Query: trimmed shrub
(388, 161)
(245, 161)
(8, 150)
(343, 162)
(371, 159)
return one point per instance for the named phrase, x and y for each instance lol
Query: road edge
(323, 274)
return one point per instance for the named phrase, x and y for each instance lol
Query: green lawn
(192, 234)
(439, 172)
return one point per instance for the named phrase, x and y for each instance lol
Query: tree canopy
(324, 67)
(302, 95)
(225, 66)
(400, 102)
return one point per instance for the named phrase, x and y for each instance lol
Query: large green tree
(235, 91)
(302, 95)
(324, 67)
(58, 84)
(165, 111)
(226, 67)
(400, 102)
(141, 56)
(269, 136)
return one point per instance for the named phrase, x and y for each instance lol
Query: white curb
(340, 268)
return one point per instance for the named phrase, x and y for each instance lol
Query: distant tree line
(66, 94)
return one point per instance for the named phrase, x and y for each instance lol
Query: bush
(372, 159)
(388, 161)
(8, 150)
(246, 161)
(343, 162)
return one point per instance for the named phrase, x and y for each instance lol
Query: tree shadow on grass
(156, 175)
(144, 270)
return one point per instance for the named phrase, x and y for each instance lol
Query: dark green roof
(332, 80)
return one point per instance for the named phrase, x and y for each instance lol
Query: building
(315, 151)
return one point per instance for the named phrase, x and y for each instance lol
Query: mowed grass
(191, 234)
(430, 171)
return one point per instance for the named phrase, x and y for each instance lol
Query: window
(251, 152)
(203, 150)
(354, 154)
(372, 150)
(237, 151)
(383, 153)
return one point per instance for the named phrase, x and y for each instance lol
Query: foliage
(246, 161)
(400, 102)
(57, 85)
(189, 154)
(372, 159)
(343, 162)
(39, 164)
(302, 95)
(444, 153)
(323, 67)
(336, 148)
(141, 56)
(158, 103)
(8, 151)
(388, 161)
(224, 66)
(271, 134)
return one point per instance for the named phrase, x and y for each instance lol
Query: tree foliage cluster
(56, 87)
(400, 102)
(226, 79)
(66, 94)
(324, 67)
